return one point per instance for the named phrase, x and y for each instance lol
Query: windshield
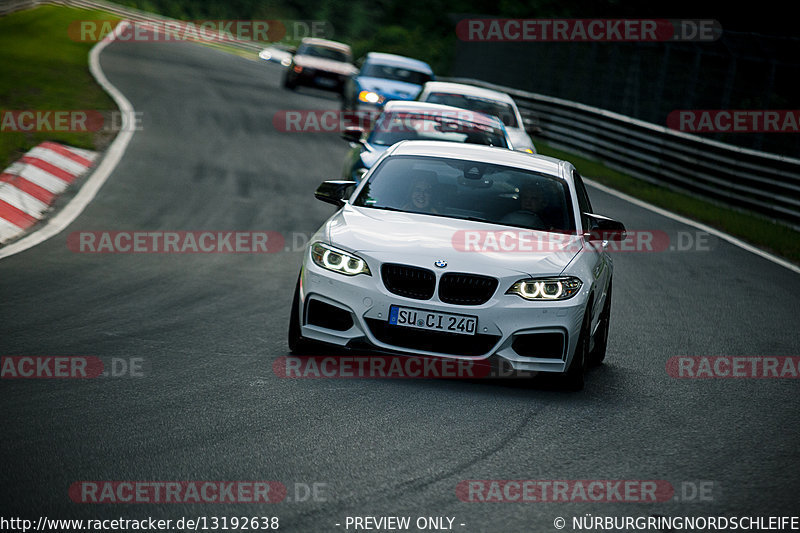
(391, 128)
(501, 110)
(373, 70)
(469, 190)
(323, 52)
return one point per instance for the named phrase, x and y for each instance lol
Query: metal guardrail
(766, 183)
(9, 6)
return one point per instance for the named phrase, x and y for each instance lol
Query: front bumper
(509, 328)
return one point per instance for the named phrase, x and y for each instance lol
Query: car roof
(475, 152)
(398, 61)
(469, 90)
(329, 44)
(458, 113)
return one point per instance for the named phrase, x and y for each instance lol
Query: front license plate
(431, 321)
(326, 82)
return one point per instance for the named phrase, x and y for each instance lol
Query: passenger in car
(421, 196)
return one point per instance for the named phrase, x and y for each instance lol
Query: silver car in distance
(465, 252)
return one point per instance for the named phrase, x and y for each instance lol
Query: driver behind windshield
(421, 196)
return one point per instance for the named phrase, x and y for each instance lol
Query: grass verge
(755, 229)
(43, 69)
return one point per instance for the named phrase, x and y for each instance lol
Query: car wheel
(296, 341)
(289, 84)
(574, 376)
(598, 354)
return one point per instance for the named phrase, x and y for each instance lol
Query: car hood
(390, 89)
(325, 64)
(416, 239)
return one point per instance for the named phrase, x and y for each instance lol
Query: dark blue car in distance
(385, 77)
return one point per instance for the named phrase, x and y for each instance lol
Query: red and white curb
(30, 185)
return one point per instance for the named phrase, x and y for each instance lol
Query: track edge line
(699, 225)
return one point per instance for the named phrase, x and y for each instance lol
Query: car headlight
(331, 258)
(370, 97)
(560, 288)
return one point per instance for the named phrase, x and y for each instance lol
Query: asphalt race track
(209, 326)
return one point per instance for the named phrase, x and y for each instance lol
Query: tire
(297, 343)
(598, 353)
(574, 376)
(288, 84)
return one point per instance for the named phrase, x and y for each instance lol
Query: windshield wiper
(477, 219)
(384, 208)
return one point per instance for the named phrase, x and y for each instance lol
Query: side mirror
(604, 229)
(335, 191)
(352, 134)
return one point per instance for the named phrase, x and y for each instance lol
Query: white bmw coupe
(463, 252)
